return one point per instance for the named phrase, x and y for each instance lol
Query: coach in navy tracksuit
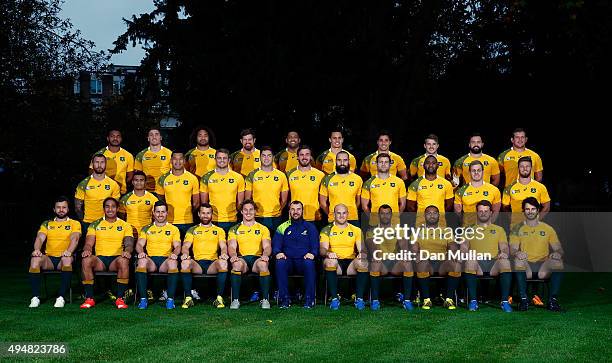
(295, 245)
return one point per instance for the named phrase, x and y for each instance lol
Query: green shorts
(158, 260)
(486, 265)
(107, 260)
(535, 267)
(205, 264)
(250, 261)
(55, 261)
(344, 264)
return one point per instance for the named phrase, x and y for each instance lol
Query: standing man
(92, 190)
(201, 159)
(508, 160)
(136, 207)
(522, 188)
(288, 158)
(431, 145)
(295, 245)
(327, 160)
(341, 187)
(461, 172)
(304, 182)
(397, 164)
(470, 194)
(383, 188)
(154, 161)
(119, 162)
(60, 237)
(430, 189)
(246, 159)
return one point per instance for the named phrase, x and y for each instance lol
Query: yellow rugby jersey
(178, 191)
(138, 210)
(154, 165)
(93, 192)
(387, 246)
(304, 186)
(462, 167)
(493, 236)
(534, 241)
(117, 166)
(515, 193)
(205, 241)
(433, 241)
(244, 163)
(200, 162)
(58, 235)
(508, 161)
(249, 239)
(342, 241)
(159, 239)
(222, 191)
(286, 160)
(468, 196)
(427, 193)
(444, 166)
(326, 162)
(369, 164)
(341, 190)
(109, 236)
(384, 191)
(266, 187)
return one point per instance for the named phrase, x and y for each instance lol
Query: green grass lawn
(203, 333)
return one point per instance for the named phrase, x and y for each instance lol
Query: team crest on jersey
(493, 231)
(392, 185)
(101, 228)
(67, 228)
(351, 183)
(211, 156)
(231, 180)
(275, 178)
(312, 178)
(533, 190)
(107, 187)
(147, 202)
(256, 160)
(167, 233)
(440, 186)
(119, 228)
(257, 231)
(486, 163)
(350, 234)
(185, 182)
(259, 178)
(439, 163)
(542, 233)
(214, 232)
(169, 183)
(163, 157)
(485, 193)
(122, 158)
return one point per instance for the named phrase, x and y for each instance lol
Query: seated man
(113, 241)
(492, 241)
(61, 235)
(249, 249)
(162, 241)
(207, 240)
(295, 245)
(535, 248)
(339, 241)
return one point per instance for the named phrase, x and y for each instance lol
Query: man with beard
(417, 165)
(60, 237)
(201, 159)
(468, 195)
(248, 158)
(383, 188)
(508, 160)
(154, 161)
(295, 245)
(304, 182)
(430, 189)
(397, 167)
(461, 172)
(341, 187)
(522, 188)
(288, 158)
(119, 162)
(327, 160)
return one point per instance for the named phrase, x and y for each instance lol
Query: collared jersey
(384, 191)
(93, 192)
(205, 241)
(534, 241)
(118, 165)
(342, 189)
(427, 193)
(444, 166)
(462, 167)
(468, 196)
(326, 162)
(109, 236)
(178, 190)
(244, 163)
(304, 186)
(369, 164)
(387, 245)
(508, 162)
(200, 162)
(434, 240)
(154, 165)
(515, 193)
(138, 210)
(286, 160)
(58, 235)
(249, 239)
(159, 239)
(493, 235)
(222, 191)
(267, 187)
(342, 241)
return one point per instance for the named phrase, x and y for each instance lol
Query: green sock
(236, 279)
(141, 281)
(451, 286)
(172, 282)
(89, 291)
(66, 279)
(264, 284)
(187, 279)
(555, 284)
(505, 278)
(35, 282)
(521, 281)
(471, 282)
(121, 287)
(332, 283)
(375, 286)
(424, 286)
(362, 281)
(221, 278)
(407, 282)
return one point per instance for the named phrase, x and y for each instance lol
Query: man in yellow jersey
(288, 159)
(209, 255)
(119, 162)
(268, 187)
(162, 242)
(476, 190)
(341, 187)
(113, 242)
(201, 159)
(508, 160)
(92, 190)
(491, 243)
(341, 247)
(431, 146)
(224, 190)
(304, 182)
(248, 158)
(383, 188)
(326, 161)
(397, 167)
(136, 207)
(181, 191)
(536, 249)
(154, 161)
(60, 237)
(433, 244)
(522, 188)
(461, 172)
(249, 248)
(430, 189)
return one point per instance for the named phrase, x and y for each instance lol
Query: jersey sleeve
(204, 182)
(80, 190)
(176, 235)
(127, 230)
(265, 233)
(553, 238)
(496, 196)
(401, 164)
(324, 183)
(515, 238)
(160, 184)
(91, 230)
(129, 163)
(195, 185)
(189, 235)
(412, 190)
(324, 235)
(115, 190)
(365, 166)
(138, 160)
(76, 226)
(494, 167)
(414, 166)
(365, 189)
(544, 197)
(241, 184)
(448, 191)
(352, 162)
(248, 182)
(402, 189)
(506, 196)
(232, 233)
(537, 164)
(221, 234)
(43, 228)
(459, 194)
(285, 183)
